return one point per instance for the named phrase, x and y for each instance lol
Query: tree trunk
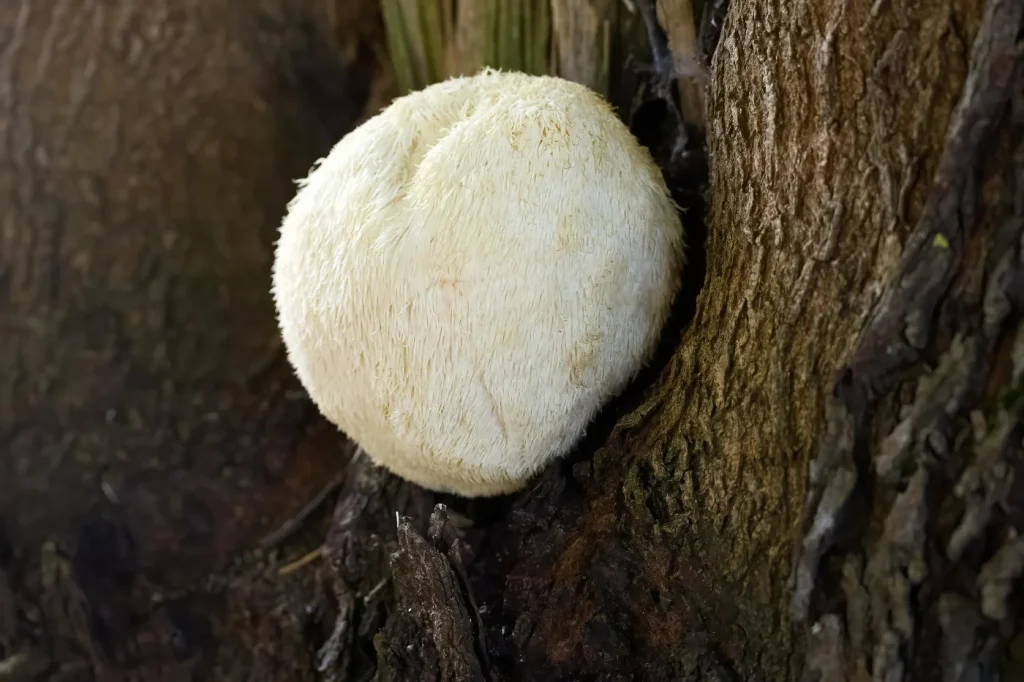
(147, 151)
(815, 479)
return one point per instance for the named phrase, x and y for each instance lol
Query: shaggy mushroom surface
(471, 274)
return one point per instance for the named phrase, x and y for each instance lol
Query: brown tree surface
(147, 151)
(815, 480)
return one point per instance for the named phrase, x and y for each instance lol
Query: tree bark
(147, 151)
(815, 479)
(828, 129)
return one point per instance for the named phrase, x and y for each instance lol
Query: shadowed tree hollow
(817, 479)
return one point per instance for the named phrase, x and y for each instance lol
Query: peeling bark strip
(958, 297)
(429, 635)
(360, 551)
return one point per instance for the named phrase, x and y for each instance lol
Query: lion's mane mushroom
(472, 273)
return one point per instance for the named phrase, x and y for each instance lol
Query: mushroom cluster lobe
(470, 275)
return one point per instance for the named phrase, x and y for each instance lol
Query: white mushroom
(471, 274)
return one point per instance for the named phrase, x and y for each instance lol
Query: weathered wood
(431, 613)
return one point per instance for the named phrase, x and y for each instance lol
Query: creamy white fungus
(470, 275)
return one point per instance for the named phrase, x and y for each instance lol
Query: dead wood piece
(363, 525)
(303, 561)
(663, 61)
(429, 636)
(447, 537)
(357, 548)
(581, 37)
(677, 18)
(332, 658)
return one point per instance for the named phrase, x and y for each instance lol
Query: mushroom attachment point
(471, 274)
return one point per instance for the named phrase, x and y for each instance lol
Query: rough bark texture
(826, 126)
(830, 433)
(922, 583)
(147, 151)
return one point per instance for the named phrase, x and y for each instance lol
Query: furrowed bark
(942, 476)
(826, 128)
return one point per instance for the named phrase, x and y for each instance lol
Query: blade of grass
(502, 29)
(431, 40)
(538, 45)
(414, 35)
(471, 35)
(451, 45)
(528, 37)
(583, 35)
(604, 74)
(490, 34)
(398, 45)
(515, 35)
(434, 38)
